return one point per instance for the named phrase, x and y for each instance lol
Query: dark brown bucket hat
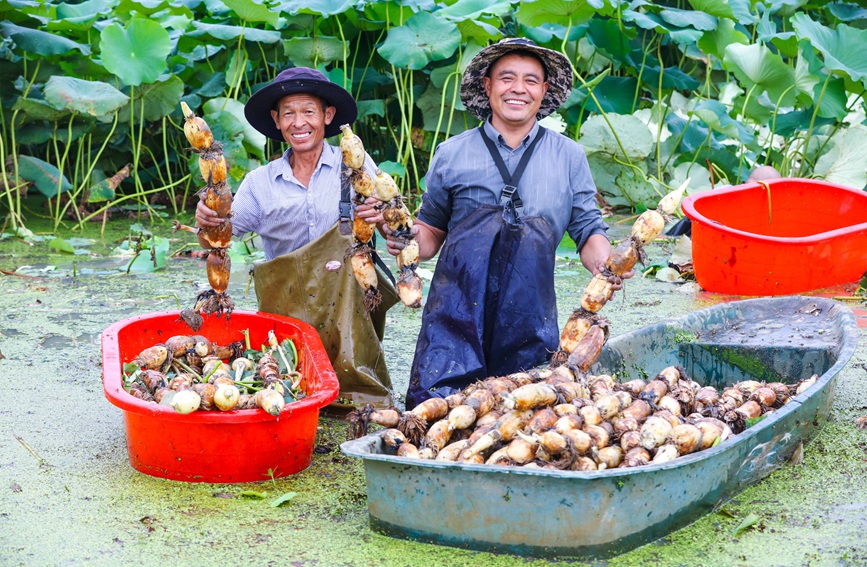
(557, 67)
(299, 80)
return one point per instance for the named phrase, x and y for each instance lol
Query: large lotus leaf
(474, 9)
(214, 85)
(230, 33)
(798, 120)
(605, 171)
(847, 12)
(546, 32)
(615, 94)
(250, 11)
(651, 21)
(479, 31)
(152, 7)
(833, 101)
(136, 54)
(160, 98)
(718, 8)
(693, 134)
(715, 115)
(318, 7)
(337, 76)
(39, 109)
(844, 48)
(714, 42)
(422, 39)
(87, 9)
(254, 140)
(756, 65)
(843, 163)
(596, 136)
(89, 97)
(311, 51)
(672, 78)
(688, 18)
(724, 157)
(611, 39)
(371, 108)
(44, 176)
(39, 42)
(636, 189)
(566, 12)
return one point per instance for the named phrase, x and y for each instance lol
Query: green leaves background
(663, 90)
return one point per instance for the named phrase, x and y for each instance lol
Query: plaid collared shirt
(286, 214)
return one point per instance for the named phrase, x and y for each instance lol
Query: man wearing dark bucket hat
(499, 199)
(298, 205)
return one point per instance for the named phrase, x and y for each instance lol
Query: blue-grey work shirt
(556, 185)
(287, 215)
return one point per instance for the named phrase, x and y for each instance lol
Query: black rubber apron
(298, 285)
(491, 309)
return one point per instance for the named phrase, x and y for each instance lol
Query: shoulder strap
(511, 180)
(345, 221)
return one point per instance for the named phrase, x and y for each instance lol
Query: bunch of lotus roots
(217, 195)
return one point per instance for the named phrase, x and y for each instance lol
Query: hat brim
(558, 68)
(259, 106)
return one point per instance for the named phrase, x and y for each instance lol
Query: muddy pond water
(68, 495)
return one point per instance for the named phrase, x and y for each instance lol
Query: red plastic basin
(215, 446)
(807, 235)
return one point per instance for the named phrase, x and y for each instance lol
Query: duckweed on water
(86, 505)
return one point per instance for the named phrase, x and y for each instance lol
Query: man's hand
(371, 211)
(395, 245)
(206, 216)
(595, 253)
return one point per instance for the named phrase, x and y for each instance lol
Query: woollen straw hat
(556, 65)
(293, 81)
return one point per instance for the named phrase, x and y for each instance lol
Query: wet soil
(69, 496)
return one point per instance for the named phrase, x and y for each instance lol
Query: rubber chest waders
(491, 309)
(298, 285)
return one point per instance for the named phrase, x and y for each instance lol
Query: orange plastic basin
(215, 446)
(805, 235)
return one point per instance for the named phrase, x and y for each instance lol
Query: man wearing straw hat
(499, 199)
(296, 205)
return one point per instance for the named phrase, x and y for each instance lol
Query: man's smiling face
(302, 119)
(515, 86)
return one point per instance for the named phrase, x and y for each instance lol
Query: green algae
(70, 496)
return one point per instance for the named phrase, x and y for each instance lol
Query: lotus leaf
(136, 54)
(688, 18)
(843, 163)
(318, 7)
(229, 33)
(311, 51)
(253, 12)
(39, 109)
(714, 42)
(596, 136)
(756, 65)
(253, 140)
(566, 12)
(844, 48)
(89, 97)
(422, 39)
(474, 9)
(45, 177)
(39, 42)
(479, 31)
(715, 115)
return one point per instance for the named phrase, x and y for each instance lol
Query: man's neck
(305, 161)
(513, 134)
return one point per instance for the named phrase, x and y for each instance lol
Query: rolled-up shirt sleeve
(246, 211)
(436, 203)
(586, 219)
